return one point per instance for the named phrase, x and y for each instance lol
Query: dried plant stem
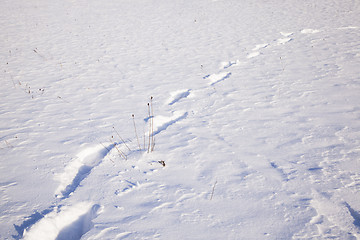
(123, 155)
(149, 119)
(144, 139)
(282, 65)
(137, 137)
(212, 193)
(107, 150)
(37, 51)
(13, 82)
(105, 147)
(152, 125)
(121, 139)
(8, 144)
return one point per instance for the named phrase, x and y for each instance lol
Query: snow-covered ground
(254, 123)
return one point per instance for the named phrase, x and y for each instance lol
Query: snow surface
(253, 131)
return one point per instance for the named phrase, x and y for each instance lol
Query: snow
(180, 119)
(55, 225)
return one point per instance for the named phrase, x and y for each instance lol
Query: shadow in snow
(354, 214)
(82, 173)
(179, 97)
(222, 78)
(315, 169)
(30, 220)
(76, 229)
(166, 125)
(282, 173)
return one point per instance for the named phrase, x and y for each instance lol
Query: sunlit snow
(196, 119)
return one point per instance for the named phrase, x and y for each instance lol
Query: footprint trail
(65, 223)
(79, 169)
(177, 96)
(217, 77)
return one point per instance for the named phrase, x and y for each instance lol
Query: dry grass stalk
(123, 155)
(212, 193)
(107, 150)
(117, 133)
(137, 137)
(152, 125)
(149, 119)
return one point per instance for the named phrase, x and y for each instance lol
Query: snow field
(264, 147)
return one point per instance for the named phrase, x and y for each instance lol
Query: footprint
(177, 96)
(260, 46)
(30, 221)
(129, 187)
(280, 171)
(217, 77)
(354, 214)
(349, 27)
(253, 54)
(286, 34)
(79, 169)
(164, 205)
(309, 31)
(161, 122)
(228, 64)
(283, 40)
(336, 215)
(69, 222)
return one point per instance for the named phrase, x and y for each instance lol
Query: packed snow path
(255, 118)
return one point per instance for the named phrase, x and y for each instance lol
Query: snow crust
(180, 119)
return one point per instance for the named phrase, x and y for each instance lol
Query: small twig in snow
(152, 125)
(107, 150)
(212, 193)
(137, 138)
(149, 128)
(123, 155)
(121, 139)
